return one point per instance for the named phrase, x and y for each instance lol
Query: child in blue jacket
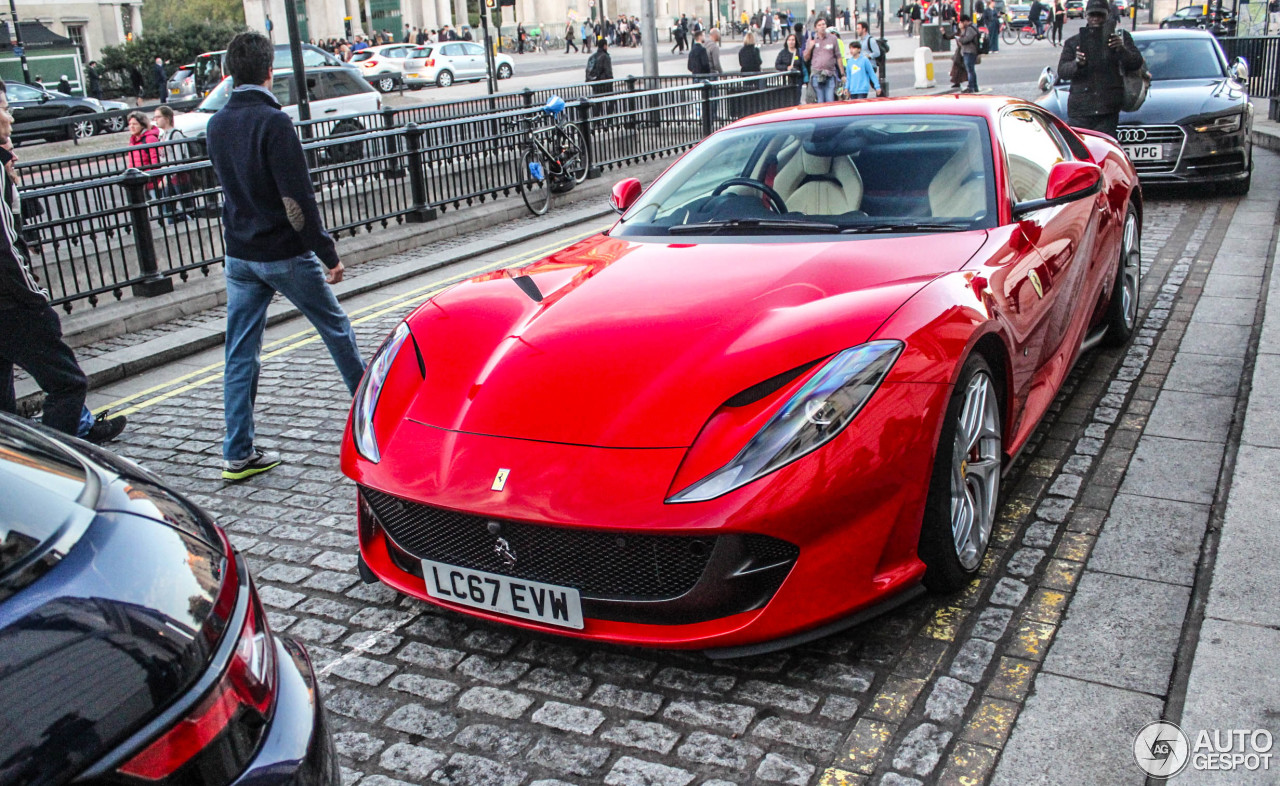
(860, 72)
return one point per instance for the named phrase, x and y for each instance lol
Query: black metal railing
(1263, 56)
(140, 229)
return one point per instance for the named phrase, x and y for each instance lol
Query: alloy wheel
(1131, 276)
(975, 471)
(83, 129)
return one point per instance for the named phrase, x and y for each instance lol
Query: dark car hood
(1168, 102)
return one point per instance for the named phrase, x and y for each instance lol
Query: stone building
(91, 24)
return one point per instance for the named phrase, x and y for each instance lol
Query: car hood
(1168, 102)
(636, 343)
(192, 124)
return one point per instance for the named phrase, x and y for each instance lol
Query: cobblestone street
(926, 693)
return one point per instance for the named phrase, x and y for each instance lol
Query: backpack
(1136, 85)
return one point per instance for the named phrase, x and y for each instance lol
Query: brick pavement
(928, 692)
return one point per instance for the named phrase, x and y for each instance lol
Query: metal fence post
(706, 108)
(392, 143)
(584, 125)
(526, 96)
(152, 283)
(632, 120)
(419, 213)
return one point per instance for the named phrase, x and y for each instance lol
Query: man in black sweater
(1092, 60)
(275, 242)
(30, 331)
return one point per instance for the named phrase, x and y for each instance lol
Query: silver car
(444, 63)
(382, 66)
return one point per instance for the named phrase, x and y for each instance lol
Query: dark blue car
(133, 647)
(1195, 124)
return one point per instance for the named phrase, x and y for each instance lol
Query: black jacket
(269, 207)
(699, 60)
(599, 66)
(1096, 86)
(786, 58)
(749, 59)
(18, 285)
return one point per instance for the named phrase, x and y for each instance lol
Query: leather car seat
(958, 190)
(819, 185)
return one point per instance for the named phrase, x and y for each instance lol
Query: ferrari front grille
(600, 564)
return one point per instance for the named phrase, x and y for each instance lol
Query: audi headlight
(366, 401)
(810, 419)
(1222, 125)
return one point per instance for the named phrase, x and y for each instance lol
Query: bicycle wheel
(1009, 35)
(577, 161)
(533, 182)
(1026, 36)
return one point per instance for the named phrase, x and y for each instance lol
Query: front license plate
(1144, 152)
(530, 600)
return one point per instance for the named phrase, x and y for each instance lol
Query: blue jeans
(994, 33)
(825, 93)
(250, 287)
(970, 63)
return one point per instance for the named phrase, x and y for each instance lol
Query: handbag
(810, 95)
(1136, 85)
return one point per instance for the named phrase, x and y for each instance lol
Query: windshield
(1185, 58)
(217, 97)
(852, 175)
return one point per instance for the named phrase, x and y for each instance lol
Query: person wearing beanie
(1091, 60)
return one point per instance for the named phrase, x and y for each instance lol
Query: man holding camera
(1092, 61)
(822, 53)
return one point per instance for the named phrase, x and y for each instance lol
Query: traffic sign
(19, 51)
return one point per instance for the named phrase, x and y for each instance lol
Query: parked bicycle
(1023, 35)
(553, 158)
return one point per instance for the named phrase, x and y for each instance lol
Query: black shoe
(105, 429)
(955, 86)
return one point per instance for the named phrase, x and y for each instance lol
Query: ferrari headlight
(810, 419)
(1221, 125)
(370, 389)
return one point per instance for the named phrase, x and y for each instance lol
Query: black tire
(1122, 311)
(535, 182)
(504, 71)
(578, 167)
(945, 571)
(444, 78)
(81, 128)
(1239, 187)
(386, 83)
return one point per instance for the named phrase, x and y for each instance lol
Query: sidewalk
(1175, 615)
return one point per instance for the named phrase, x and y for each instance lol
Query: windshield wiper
(905, 226)
(788, 224)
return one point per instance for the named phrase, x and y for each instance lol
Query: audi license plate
(1144, 152)
(530, 600)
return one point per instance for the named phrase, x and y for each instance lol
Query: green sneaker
(259, 462)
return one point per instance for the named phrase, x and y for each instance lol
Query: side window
(283, 90)
(22, 92)
(311, 58)
(337, 85)
(474, 49)
(1072, 143)
(1030, 151)
(452, 50)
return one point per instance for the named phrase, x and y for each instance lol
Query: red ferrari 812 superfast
(776, 397)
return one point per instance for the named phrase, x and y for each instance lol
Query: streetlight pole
(17, 43)
(295, 53)
(649, 37)
(490, 81)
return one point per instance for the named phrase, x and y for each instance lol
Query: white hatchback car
(333, 92)
(444, 63)
(383, 66)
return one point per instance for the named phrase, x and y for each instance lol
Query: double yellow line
(213, 372)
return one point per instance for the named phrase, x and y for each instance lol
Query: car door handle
(330, 111)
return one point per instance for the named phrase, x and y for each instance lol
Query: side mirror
(1068, 182)
(625, 194)
(1240, 69)
(1047, 78)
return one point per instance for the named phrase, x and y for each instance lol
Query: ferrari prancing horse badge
(500, 480)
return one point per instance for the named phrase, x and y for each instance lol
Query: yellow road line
(380, 308)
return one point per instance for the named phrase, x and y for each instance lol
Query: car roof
(1173, 32)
